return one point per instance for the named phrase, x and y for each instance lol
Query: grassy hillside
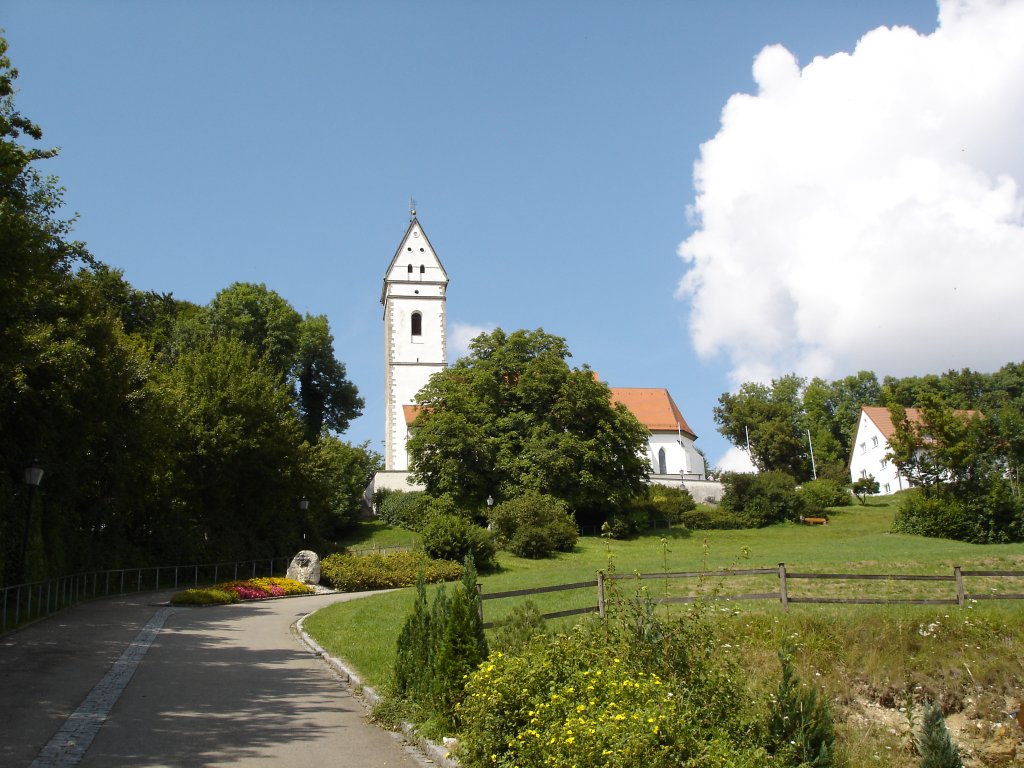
(876, 663)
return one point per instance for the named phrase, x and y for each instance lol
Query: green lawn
(856, 540)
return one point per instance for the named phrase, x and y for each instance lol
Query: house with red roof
(869, 455)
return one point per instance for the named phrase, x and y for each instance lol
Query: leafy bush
(650, 693)
(404, 509)
(278, 586)
(706, 517)
(819, 495)
(451, 537)
(762, 499)
(533, 525)
(663, 504)
(355, 573)
(997, 516)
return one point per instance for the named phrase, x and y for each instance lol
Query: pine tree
(935, 745)
(801, 722)
(413, 653)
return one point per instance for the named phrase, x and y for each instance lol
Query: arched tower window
(417, 324)
(661, 462)
(422, 269)
(409, 270)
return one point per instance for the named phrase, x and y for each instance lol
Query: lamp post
(303, 507)
(32, 477)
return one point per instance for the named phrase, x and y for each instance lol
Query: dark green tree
(300, 349)
(513, 416)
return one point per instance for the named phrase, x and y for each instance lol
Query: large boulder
(305, 567)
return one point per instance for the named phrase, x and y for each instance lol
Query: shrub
(986, 518)
(515, 632)
(207, 596)
(664, 504)
(934, 745)
(278, 586)
(800, 727)
(533, 525)
(819, 495)
(437, 650)
(404, 509)
(355, 573)
(706, 517)
(652, 694)
(450, 537)
(762, 499)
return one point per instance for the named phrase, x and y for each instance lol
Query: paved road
(228, 685)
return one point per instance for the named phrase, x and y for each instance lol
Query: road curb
(434, 751)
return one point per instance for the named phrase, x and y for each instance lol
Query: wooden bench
(814, 520)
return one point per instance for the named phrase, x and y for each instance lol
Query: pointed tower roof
(416, 246)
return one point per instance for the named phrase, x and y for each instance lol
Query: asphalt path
(130, 682)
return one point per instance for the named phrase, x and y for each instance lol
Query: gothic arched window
(417, 324)
(661, 462)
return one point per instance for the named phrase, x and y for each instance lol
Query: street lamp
(32, 477)
(303, 506)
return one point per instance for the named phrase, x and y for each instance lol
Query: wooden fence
(781, 593)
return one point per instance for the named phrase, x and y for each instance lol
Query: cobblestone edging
(436, 752)
(69, 744)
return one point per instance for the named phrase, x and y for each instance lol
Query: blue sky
(550, 147)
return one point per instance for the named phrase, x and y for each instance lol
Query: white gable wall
(681, 457)
(868, 457)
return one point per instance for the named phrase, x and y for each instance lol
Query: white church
(415, 348)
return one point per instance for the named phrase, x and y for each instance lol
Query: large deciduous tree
(514, 416)
(300, 348)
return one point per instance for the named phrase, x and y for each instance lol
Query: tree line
(962, 452)
(168, 432)
(781, 422)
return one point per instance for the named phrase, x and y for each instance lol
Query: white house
(415, 348)
(869, 455)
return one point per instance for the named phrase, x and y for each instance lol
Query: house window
(864, 474)
(863, 447)
(883, 463)
(874, 442)
(661, 462)
(417, 324)
(887, 489)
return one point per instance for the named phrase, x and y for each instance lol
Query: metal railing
(21, 603)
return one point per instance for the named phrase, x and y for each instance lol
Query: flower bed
(234, 591)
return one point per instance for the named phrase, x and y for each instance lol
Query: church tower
(414, 334)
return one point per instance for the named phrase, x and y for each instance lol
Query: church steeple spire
(415, 347)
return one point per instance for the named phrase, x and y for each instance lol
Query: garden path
(131, 682)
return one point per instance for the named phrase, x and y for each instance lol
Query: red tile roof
(654, 408)
(883, 419)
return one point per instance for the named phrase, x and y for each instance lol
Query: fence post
(959, 585)
(600, 594)
(783, 593)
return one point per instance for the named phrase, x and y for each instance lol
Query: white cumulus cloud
(865, 211)
(459, 336)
